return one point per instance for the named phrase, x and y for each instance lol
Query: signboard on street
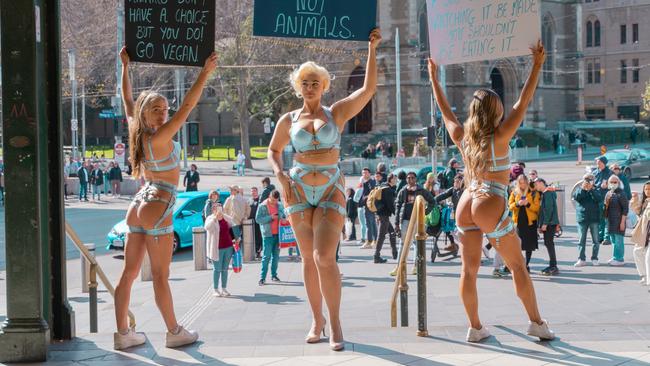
(323, 19)
(475, 30)
(119, 153)
(179, 32)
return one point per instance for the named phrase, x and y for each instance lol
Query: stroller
(446, 226)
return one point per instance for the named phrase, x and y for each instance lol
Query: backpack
(374, 199)
(433, 217)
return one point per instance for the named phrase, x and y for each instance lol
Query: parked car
(186, 215)
(635, 163)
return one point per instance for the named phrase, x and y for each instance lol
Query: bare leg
(471, 259)
(509, 248)
(134, 251)
(304, 234)
(326, 234)
(160, 254)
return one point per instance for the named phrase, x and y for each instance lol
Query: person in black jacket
(115, 177)
(97, 180)
(191, 179)
(385, 209)
(268, 188)
(84, 178)
(352, 213)
(254, 202)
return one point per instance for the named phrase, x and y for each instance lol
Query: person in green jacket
(548, 222)
(588, 216)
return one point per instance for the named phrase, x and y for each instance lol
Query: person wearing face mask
(601, 175)
(640, 233)
(213, 197)
(219, 240)
(588, 216)
(616, 209)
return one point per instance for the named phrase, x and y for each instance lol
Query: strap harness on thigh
(314, 194)
(146, 194)
(500, 190)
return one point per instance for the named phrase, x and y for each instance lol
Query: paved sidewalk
(600, 315)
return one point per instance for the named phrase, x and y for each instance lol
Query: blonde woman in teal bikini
(313, 190)
(154, 156)
(483, 142)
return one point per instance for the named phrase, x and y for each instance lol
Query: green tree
(645, 102)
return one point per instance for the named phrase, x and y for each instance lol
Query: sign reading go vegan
(177, 32)
(474, 30)
(350, 20)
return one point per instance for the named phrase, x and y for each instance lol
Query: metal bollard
(248, 229)
(92, 284)
(421, 264)
(85, 267)
(199, 249)
(145, 270)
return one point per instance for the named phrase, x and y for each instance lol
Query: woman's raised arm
(348, 107)
(167, 131)
(127, 93)
(449, 118)
(511, 123)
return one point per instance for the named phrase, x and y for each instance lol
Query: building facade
(616, 42)
(558, 97)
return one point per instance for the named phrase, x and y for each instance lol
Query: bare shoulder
(285, 121)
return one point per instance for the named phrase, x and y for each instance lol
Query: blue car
(187, 215)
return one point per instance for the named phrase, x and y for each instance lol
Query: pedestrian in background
(107, 177)
(601, 175)
(219, 240)
(548, 221)
(352, 213)
(588, 216)
(115, 176)
(640, 233)
(253, 203)
(269, 214)
(368, 184)
(191, 179)
(236, 207)
(267, 189)
(385, 209)
(616, 210)
(241, 164)
(625, 183)
(213, 199)
(97, 181)
(525, 210)
(361, 213)
(84, 179)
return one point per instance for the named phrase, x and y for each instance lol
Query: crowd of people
(98, 176)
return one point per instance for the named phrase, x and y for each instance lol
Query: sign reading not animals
(346, 20)
(176, 32)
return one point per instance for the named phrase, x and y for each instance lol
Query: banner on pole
(476, 30)
(175, 32)
(343, 20)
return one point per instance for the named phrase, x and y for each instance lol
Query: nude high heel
(315, 338)
(336, 346)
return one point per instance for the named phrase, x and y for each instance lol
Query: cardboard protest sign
(176, 32)
(475, 30)
(323, 19)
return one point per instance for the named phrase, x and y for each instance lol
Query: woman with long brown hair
(483, 142)
(155, 157)
(313, 190)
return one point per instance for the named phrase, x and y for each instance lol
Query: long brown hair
(484, 111)
(138, 128)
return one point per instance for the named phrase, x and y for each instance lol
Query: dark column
(61, 315)
(25, 333)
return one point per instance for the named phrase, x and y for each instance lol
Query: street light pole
(73, 103)
(398, 94)
(83, 119)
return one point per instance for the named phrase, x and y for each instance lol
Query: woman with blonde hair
(640, 233)
(154, 157)
(525, 210)
(313, 190)
(483, 142)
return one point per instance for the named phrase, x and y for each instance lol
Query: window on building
(635, 33)
(597, 33)
(590, 34)
(635, 70)
(623, 71)
(628, 112)
(623, 33)
(590, 73)
(595, 113)
(597, 72)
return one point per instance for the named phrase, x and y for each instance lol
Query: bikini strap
(494, 158)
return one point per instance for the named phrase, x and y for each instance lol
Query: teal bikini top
(326, 137)
(500, 163)
(169, 162)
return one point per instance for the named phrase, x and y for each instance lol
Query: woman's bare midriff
(499, 177)
(317, 157)
(170, 176)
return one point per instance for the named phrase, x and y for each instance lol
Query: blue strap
(494, 159)
(463, 229)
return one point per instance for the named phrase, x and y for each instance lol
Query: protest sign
(476, 30)
(176, 32)
(323, 19)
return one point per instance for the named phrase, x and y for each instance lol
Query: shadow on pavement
(269, 298)
(392, 355)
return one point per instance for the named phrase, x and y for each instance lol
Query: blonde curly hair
(295, 78)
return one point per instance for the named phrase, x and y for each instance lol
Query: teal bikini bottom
(148, 194)
(314, 194)
(490, 187)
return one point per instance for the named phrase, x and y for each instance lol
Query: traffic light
(431, 136)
